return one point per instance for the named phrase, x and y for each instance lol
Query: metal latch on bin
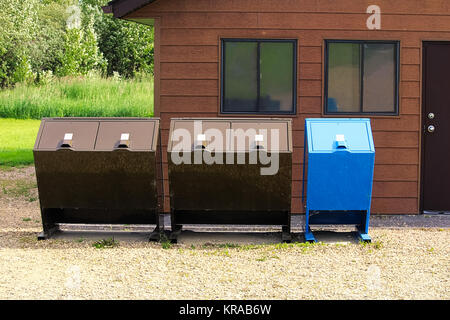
(259, 139)
(67, 141)
(124, 142)
(340, 142)
(201, 142)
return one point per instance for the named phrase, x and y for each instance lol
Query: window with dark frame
(259, 76)
(361, 77)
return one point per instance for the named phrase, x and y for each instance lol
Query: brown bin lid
(83, 134)
(260, 133)
(205, 135)
(141, 135)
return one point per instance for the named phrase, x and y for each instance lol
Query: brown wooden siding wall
(189, 35)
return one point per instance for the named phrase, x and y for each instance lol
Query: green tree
(127, 46)
(18, 22)
(81, 53)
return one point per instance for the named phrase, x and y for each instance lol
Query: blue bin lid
(332, 134)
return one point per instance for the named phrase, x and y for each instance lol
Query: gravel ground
(402, 263)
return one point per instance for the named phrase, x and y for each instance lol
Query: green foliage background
(42, 38)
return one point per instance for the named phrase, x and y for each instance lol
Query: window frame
(293, 111)
(361, 79)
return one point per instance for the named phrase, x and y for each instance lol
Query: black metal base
(179, 217)
(47, 233)
(176, 231)
(51, 217)
(286, 235)
(282, 218)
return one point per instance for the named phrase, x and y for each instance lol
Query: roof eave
(121, 8)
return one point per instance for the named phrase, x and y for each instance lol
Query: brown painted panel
(383, 189)
(410, 106)
(189, 53)
(436, 7)
(379, 206)
(351, 21)
(410, 89)
(410, 72)
(189, 103)
(298, 138)
(403, 123)
(297, 172)
(189, 36)
(309, 104)
(297, 156)
(209, 20)
(310, 71)
(310, 54)
(310, 88)
(396, 139)
(394, 206)
(189, 70)
(396, 172)
(189, 87)
(396, 156)
(307, 38)
(410, 56)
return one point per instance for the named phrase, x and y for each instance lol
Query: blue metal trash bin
(338, 169)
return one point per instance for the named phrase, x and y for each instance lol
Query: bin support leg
(155, 236)
(286, 234)
(49, 227)
(363, 230)
(176, 230)
(159, 229)
(309, 237)
(47, 233)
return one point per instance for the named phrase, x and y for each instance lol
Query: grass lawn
(17, 139)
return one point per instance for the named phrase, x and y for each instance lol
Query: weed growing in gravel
(229, 245)
(26, 219)
(105, 243)
(374, 244)
(28, 239)
(165, 242)
(262, 259)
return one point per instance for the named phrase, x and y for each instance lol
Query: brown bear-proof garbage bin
(97, 171)
(230, 171)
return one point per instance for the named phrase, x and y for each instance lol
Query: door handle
(431, 128)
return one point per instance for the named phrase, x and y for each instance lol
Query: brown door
(436, 127)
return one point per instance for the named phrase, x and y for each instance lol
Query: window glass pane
(276, 76)
(379, 78)
(240, 83)
(344, 77)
